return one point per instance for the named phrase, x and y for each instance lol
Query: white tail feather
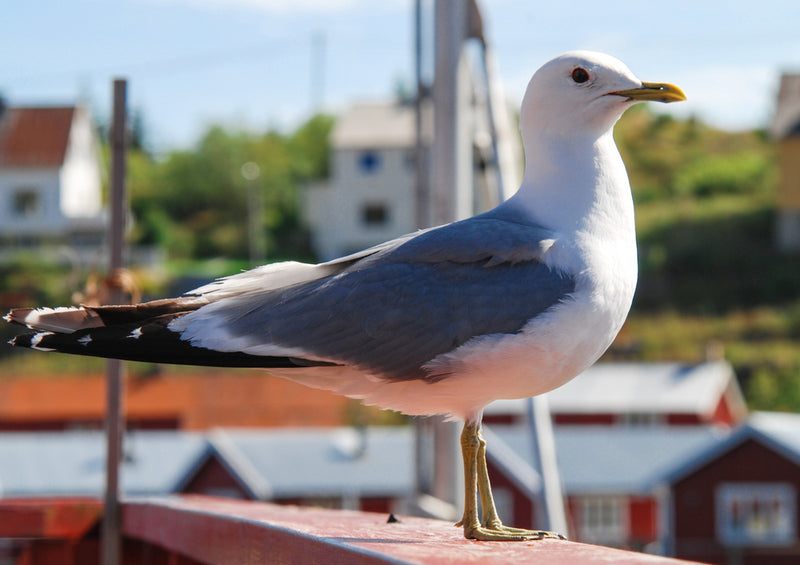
(59, 320)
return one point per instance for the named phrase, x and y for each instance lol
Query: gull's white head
(585, 93)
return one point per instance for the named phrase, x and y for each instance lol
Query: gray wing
(402, 305)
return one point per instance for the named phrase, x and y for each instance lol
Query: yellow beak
(655, 91)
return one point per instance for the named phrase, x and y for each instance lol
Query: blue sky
(248, 63)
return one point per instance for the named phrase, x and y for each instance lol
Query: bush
(737, 173)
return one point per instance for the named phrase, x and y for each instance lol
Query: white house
(370, 195)
(50, 179)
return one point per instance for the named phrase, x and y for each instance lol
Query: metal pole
(550, 512)
(451, 160)
(422, 481)
(111, 542)
(422, 199)
(448, 174)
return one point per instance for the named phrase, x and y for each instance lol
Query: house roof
(269, 463)
(73, 463)
(376, 461)
(620, 388)
(778, 431)
(609, 460)
(375, 125)
(786, 120)
(197, 400)
(34, 136)
(322, 462)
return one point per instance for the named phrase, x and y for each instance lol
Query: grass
(710, 276)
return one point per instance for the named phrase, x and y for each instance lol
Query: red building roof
(195, 400)
(34, 136)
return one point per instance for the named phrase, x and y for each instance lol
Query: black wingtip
(151, 342)
(32, 341)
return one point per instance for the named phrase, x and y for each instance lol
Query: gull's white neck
(574, 183)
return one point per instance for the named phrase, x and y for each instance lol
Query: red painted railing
(195, 529)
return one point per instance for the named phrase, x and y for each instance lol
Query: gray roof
(783, 429)
(612, 460)
(619, 388)
(73, 463)
(285, 463)
(777, 431)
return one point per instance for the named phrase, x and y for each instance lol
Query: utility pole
(256, 240)
(421, 178)
(450, 194)
(111, 542)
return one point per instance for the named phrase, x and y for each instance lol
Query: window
(603, 519)
(756, 513)
(374, 215)
(26, 203)
(637, 419)
(369, 161)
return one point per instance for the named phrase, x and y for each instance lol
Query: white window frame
(603, 519)
(756, 514)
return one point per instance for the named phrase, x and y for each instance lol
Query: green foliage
(309, 148)
(27, 280)
(773, 388)
(195, 203)
(704, 215)
(734, 173)
(668, 158)
(709, 270)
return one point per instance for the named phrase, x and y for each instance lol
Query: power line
(200, 61)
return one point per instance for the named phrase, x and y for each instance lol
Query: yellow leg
(476, 482)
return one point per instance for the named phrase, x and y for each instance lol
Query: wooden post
(111, 536)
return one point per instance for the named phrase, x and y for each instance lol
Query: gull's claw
(505, 533)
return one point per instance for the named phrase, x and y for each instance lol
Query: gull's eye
(580, 75)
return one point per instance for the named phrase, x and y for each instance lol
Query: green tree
(195, 202)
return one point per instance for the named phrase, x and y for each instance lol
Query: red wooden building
(367, 469)
(738, 502)
(614, 478)
(640, 394)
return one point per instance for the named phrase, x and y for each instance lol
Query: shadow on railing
(185, 530)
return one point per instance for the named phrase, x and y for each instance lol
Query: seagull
(510, 303)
